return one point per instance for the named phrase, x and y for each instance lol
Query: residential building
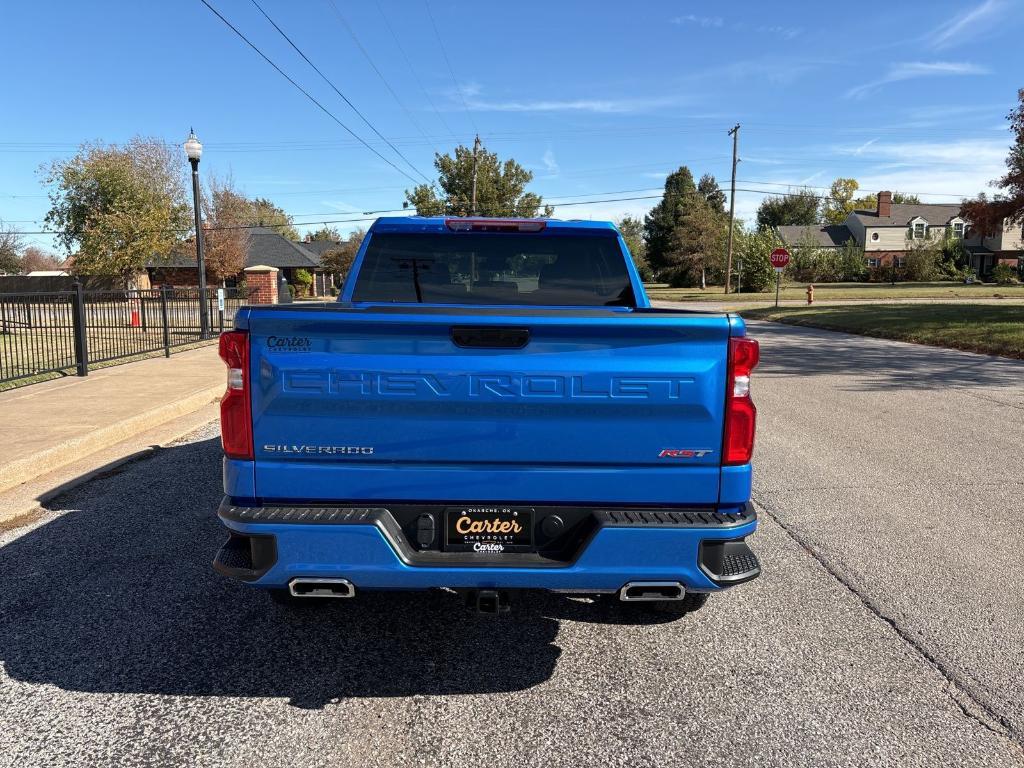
(266, 247)
(885, 234)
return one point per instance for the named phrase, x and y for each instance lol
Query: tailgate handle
(490, 338)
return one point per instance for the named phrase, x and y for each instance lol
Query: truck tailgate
(522, 405)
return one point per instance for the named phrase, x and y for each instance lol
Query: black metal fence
(67, 331)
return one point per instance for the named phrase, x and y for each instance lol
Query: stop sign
(779, 258)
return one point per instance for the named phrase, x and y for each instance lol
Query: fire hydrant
(810, 294)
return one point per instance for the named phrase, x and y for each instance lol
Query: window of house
(958, 229)
(900, 261)
(874, 262)
(874, 237)
(919, 230)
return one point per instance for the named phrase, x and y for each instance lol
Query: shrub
(1004, 274)
(303, 280)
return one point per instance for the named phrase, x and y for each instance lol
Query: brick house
(884, 233)
(266, 248)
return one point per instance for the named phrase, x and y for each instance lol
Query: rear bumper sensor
(246, 557)
(729, 562)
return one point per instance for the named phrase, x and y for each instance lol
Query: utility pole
(735, 133)
(476, 149)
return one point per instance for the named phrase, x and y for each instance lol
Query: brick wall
(262, 284)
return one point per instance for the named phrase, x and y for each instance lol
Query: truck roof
(440, 224)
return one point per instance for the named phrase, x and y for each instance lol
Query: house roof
(902, 213)
(825, 236)
(266, 246)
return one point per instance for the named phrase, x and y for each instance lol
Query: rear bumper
(269, 546)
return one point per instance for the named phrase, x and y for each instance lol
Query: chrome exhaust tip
(321, 588)
(638, 591)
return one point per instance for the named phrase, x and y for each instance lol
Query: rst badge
(684, 453)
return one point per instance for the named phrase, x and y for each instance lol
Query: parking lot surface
(885, 630)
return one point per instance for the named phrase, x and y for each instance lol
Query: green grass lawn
(993, 330)
(839, 291)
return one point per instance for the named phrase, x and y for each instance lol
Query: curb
(70, 451)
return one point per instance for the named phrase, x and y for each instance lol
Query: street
(886, 628)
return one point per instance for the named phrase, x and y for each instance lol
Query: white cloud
(970, 153)
(601, 106)
(786, 33)
(912, 70)
(967, 26)
(550, 163)
(701, 21)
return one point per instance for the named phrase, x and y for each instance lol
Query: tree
(339, 260)
(10, 250)
(325, 233)
(226, 240)
(632, 230)
(263, 213)
(500, 188)
(988, 217)
(712, 193)
(303, 279)
(35, 259)
(118, 206)
(751, 251)
(840, 202)
(799, 207)
(685, 232)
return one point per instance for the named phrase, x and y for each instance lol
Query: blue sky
(593, 98)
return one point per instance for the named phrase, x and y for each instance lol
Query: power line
(455, 80)
(412, 69)
(373, 65)
(345, 98)
(305, 93)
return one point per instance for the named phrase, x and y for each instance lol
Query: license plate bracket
(491, 530)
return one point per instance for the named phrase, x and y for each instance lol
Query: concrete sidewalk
(46, 426)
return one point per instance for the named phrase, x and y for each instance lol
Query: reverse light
(740, 413)
(235, 408)
(495, 225)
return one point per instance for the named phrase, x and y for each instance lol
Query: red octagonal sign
(779, 258)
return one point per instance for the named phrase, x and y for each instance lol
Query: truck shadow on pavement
(118, 595)
(876, 364)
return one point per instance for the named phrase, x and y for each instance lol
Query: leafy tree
(117, 206)
(840, 202)
(800, 207)
(225, 239)
(752, 249)
(685, 232)
(10, 250)
(711, 192)
(500, 188)
(852, 266)
(987, 217)
(34, 259)
(339, 260)
(264, 213)
(325, 233)
(921, 262)
(632, 230)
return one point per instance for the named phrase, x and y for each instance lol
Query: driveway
(886, 628)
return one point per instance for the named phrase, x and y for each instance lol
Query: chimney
(884, 204)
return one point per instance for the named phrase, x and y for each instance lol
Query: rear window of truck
(483, 268)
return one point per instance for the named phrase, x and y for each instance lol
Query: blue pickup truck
(491, 406)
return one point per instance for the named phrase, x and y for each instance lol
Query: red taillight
(740, 413)
(235, 412)
(495, 225)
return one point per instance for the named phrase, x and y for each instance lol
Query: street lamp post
(194, 150)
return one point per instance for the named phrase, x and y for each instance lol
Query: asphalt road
(886, 630)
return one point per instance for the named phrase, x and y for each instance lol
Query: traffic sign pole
(779, 259)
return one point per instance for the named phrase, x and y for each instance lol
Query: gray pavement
(886, 629)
